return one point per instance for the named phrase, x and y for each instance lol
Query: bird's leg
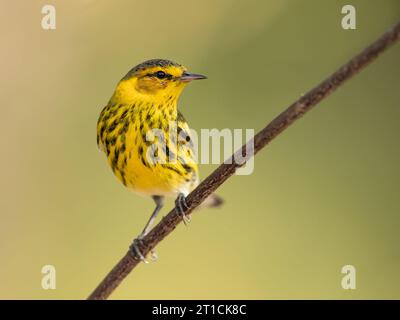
(181, 206)
(159, 200)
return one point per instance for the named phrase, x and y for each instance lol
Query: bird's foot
(137, 254)
(135, 251)
(181, 206)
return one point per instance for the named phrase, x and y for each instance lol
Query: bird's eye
(160, 74)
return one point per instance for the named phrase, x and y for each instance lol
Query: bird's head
(154, 80)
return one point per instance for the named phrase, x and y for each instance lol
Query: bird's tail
(212, 201)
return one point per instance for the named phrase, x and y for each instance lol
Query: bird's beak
(187, 77)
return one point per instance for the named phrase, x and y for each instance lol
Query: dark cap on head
(151, 63)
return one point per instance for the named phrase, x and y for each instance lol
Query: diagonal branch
(226, 170)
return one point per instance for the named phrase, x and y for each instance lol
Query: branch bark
(226, 170)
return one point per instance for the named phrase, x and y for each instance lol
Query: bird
(148, 142)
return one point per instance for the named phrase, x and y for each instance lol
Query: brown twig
(261, 139)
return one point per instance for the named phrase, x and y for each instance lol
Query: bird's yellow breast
(163, 166)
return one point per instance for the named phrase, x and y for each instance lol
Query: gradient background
(323, 195)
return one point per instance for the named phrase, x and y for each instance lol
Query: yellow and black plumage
(143, 101)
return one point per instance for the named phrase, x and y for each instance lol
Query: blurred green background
(323, 195)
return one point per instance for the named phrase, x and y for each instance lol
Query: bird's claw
(134, 248)
(181, 207)
(137, 254)
(154, 256)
